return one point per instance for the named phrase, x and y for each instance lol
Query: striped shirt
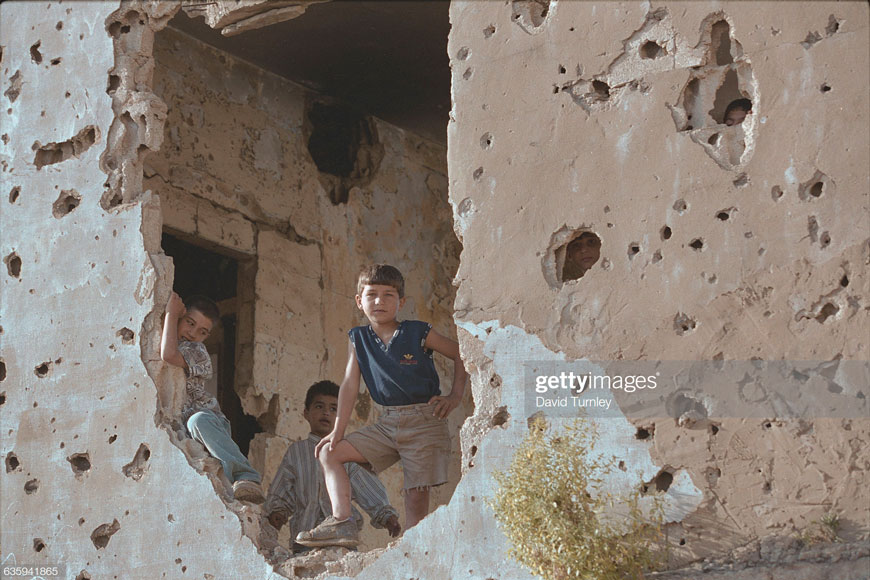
(298, 490)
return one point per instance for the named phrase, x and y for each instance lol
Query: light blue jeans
(214, 432)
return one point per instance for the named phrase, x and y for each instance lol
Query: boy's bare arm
(346, 399)
(169, 342)
(449, 348)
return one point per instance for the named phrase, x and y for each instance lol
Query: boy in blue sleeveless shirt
(395, 359)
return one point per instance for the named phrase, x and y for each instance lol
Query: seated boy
(184, 329)
(298, 491)
(395, 359)
(736, 111)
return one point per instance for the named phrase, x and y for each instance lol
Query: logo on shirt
(407, 359)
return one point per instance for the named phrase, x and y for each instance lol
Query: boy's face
(584, 251)
(380, 303)
(735, 117)
(194, 326)
(321, 414)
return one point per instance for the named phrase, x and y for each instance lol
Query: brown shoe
(331, 532)
(247, 490)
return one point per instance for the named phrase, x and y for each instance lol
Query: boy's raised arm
(169, 341)
(346, 399)
(449, 348)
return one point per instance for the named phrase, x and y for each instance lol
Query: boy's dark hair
(381, 274)
(742, 104)
(204, 305)
(327, 388)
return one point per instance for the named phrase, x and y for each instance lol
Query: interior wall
(235, 171)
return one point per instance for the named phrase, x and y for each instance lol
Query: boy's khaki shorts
(411, 433)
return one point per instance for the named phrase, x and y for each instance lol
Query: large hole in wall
(242, 147)
(202, 269)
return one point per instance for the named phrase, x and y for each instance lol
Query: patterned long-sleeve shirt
(197, 398)
(298, 490)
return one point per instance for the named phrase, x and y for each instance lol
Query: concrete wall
(565, 119)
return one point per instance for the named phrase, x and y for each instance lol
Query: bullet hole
(13, 264)
(651, 50)
(633, 250)
(343, 144)
(825, 87)
(697, 244)
(59, 25)
(720, 37)
(486, 141)
(101, 535)
(644, 433)
(816, 189)
(530, 14)
(725, 214)
(741, 181)
(810, 40)
(112, 439)
(113, 84)
(126, 335)
(833, 25)
(828, 310)
(562, 70)
(714, 139)
(35, 55)
(495, 381)
(12, 463)
(463, 53)
(14, 87)
(500, 417)
(473, 451)
(478, 173)
(714, 429)
(83, 575)
(38, 544)
(489, 31)
(468, 73)
(80, 463)
(661, 482)
(14, 193)
(601, 90)
(776, 192)
(621, 466)
(683, 324)
(68, 200)
(58, 152)
(56, 61)
(825, 240)
(844, 281)
(5, 138)
(766, 488)
(31, 486)
(3, 394)
(136, 468)
(680, 206)
(682, 541)
(666, 233)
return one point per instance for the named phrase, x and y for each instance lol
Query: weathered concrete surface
(91, 483)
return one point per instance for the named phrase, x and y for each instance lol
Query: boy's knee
(198, 420)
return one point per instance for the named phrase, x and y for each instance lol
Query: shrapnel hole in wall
(68, 200)
(14, 193)
(38, 544)
(136, 468)
(651, 50)
(31, 487)
(13, 264)
(103, 533)
(80, 463)
(343, 144)
(12, 462)
(58, 152)
(35, 55)
(720, 43)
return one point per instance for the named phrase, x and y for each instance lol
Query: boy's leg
(338, 529)
(214, 432)
(337, 481)
(416, 506)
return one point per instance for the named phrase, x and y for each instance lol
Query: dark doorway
(202, 269)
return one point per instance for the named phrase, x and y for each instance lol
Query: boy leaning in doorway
(185, 327)
(395, 360)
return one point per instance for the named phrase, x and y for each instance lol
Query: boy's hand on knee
(330, 440)
(444, 405)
